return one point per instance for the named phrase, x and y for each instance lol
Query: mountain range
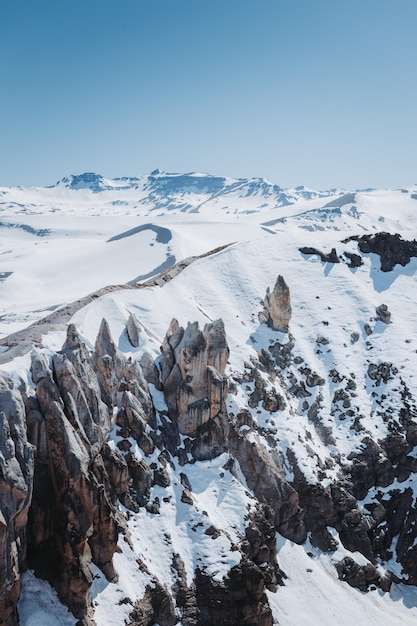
(207, 403)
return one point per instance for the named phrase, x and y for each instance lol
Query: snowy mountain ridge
(158, 191)
(252, 460)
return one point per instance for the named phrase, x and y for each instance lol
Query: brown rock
(239, 599)
(192, 367)
(266, 480)
(277, 307)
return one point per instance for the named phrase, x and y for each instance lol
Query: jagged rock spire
(192, 373)
(277, 306)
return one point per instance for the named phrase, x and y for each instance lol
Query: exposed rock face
(326, 257)
(268, 484)
(80, 523)
(277, 306)
(359, 576)
(355, 259)
(16, 478)
(239, 599)
(391, 248)
(108, 364)
(155, 607)
(192, 374)
(59, 515)
(260, 546)
(133, 330)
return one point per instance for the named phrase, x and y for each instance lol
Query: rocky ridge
(62, 478)
(85, 445)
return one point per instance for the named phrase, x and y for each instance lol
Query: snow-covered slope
(344, 376)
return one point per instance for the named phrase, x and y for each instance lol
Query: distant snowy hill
(278, 459)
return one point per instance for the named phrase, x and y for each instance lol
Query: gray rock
(16, 481)
(383, 313)
(133, 329)
(354, 337)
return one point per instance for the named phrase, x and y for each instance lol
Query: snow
(313, 595)
(39, 604)
(56, 245)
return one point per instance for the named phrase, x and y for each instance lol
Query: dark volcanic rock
(355, 259)
(391, 248)
(326, 257)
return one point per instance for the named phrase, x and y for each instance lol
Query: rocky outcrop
(260, 547)
(391, 248)
(264, 477)
(383, 313)
(192, 374)
(355, 260)
(16, 480)
(326, 257)
(59, 511)
(60, 514)
(238, 599)
(79, 524)
(277, 307)
(133, 329)
(156, 607)
(359, 576)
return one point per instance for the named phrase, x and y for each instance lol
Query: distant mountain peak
(87, 180)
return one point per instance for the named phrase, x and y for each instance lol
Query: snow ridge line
(22, 341)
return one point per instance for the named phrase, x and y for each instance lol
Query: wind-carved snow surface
(61, 243)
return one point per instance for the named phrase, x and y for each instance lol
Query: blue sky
(315, 92)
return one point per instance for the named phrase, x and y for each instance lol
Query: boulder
(383, 313)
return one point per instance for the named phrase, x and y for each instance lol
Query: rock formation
(80, 523)
(277, 306)
(383, 313)
(326, 257)
(133, 330)
(391, 248)
(61, 480)
(192, 374)
(263, 476)
(16, 483)
(59, 515)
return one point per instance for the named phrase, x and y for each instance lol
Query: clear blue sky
(315, 92)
